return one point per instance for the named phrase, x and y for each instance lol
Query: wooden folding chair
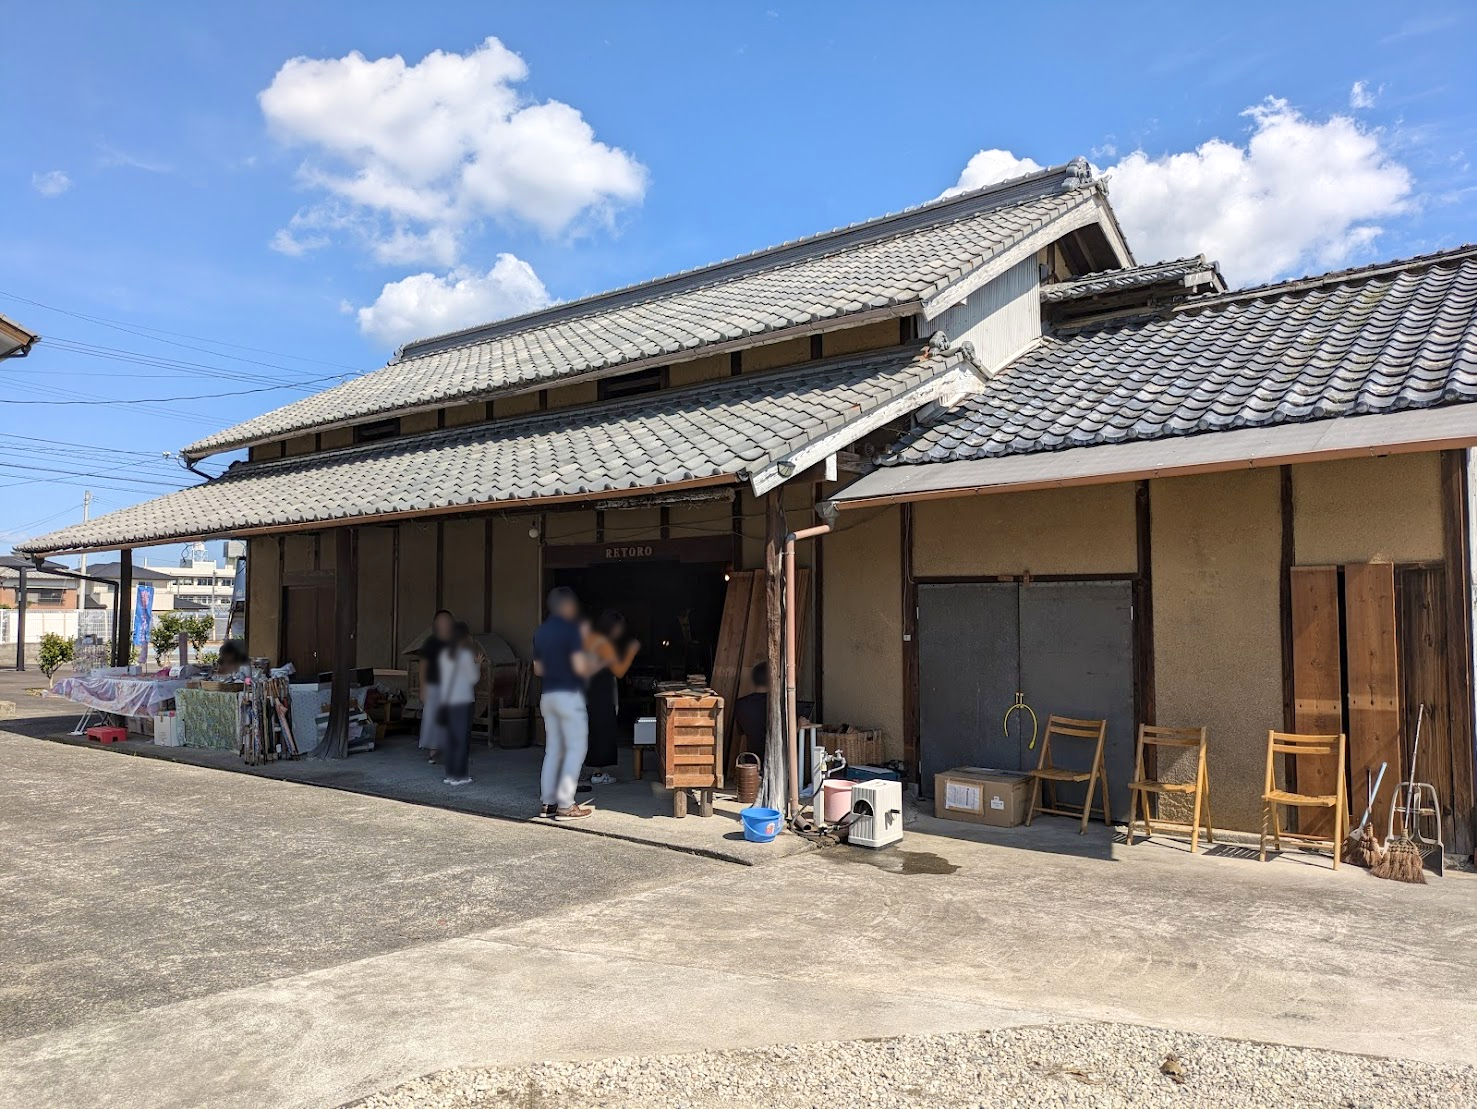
(1142, 785)
(1301, 747)
(1063, 727)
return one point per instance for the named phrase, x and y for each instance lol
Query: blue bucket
(760, 825)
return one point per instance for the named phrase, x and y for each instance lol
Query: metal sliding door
(1077, 660)
(1067, 646)
(968, 651)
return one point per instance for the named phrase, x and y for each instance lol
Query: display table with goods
(121, 693)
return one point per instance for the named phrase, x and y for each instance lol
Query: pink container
(835, 800)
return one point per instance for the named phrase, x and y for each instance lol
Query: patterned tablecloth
(121, 695)
(209, 718)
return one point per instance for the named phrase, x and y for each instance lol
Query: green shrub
(165, 634)
(56, 652)
(200, 628)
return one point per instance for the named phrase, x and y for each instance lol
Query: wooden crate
(689, 739)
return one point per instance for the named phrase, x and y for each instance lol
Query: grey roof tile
(1378, 339)
(728, 427)
(896, 260)
(1175, 272)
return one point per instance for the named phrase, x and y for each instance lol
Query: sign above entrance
(707, 548)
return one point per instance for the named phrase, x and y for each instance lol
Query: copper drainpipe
(792, 722)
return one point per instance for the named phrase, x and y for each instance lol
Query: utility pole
(82, 564)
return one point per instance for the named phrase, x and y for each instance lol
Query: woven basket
(859, 746)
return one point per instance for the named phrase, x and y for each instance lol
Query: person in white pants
(560, 661)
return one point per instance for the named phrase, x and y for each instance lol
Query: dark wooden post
(20, 620)
(1457, 529)
(335, 743)
(772, 789)
(123, 617)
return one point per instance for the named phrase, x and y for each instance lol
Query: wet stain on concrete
(894, 860)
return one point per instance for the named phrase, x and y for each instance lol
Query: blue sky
(232, 239)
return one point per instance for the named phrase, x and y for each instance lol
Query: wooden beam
(1458, 555)
(1143, 621)
(335, 744)
(773, 786)
(1284, 607)
(487, 576)
(441, 565)
(123, 637)
(912, 758)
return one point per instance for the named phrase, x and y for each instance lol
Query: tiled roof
(717, 431)
(884, 265)
(1180, 272)
(1380, 339)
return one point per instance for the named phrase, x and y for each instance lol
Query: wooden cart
(689, 739)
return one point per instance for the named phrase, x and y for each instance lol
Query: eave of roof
(1429, 429)
(645, 325)
(1179, 272)
(1378, 339)
(15, 340)
(752, 428)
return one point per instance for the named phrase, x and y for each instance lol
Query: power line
(181, 365)
(43, 520)
(144, 330)
(35, 389)
(160, 400)
(77, 474)
(86, 446)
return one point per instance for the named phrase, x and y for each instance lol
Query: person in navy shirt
(560, 660)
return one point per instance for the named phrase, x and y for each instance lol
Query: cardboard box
(981, 795)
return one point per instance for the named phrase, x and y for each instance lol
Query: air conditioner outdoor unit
(876, 813)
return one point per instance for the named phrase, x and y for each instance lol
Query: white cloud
(51, 183)
(424, 304)
(113, 157)
(1299, 195)
(991, 166)
(1362, 96)
(410, 156)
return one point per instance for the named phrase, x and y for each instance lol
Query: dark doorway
(673, 608)
(1067, 646)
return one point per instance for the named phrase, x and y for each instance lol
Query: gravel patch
(1070, 1064)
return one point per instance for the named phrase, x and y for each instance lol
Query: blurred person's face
(444, 627)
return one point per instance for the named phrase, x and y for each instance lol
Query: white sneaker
(456, 781)
(603, 779)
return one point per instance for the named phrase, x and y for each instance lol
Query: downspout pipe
(792, 721)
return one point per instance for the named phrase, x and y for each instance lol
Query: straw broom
(1361, 846)
(1402, 861)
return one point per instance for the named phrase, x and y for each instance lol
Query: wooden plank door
(1317, 682)
(1420, 594)
(1372, 659)
(307, 629)
(728, 656)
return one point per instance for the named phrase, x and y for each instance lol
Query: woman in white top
(458, 671)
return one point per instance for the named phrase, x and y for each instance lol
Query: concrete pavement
(965, 928)
(128, 884)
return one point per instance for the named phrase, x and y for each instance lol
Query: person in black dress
(433, 729)
(602, 695)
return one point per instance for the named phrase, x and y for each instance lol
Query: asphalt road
(129, 883)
